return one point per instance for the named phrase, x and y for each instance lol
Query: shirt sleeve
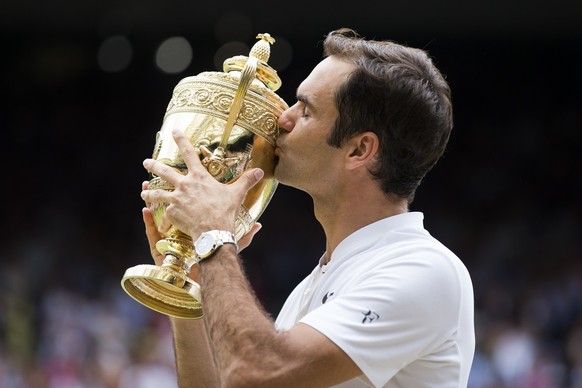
(386, 318)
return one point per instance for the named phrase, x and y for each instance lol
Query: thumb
(250, 178)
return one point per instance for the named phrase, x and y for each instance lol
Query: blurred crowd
(60, 335)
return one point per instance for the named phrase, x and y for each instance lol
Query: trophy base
(163, 290)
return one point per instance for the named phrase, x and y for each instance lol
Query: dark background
(505, 197)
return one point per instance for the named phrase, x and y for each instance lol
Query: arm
(194, 357)
(247, 349)
(249, 352)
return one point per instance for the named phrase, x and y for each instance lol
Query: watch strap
(220, 238)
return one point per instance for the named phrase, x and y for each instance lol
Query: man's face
(306, 161)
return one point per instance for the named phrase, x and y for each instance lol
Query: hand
(151, 230)
(153, 235)
(198, 202)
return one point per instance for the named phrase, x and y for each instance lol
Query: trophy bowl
(231, 119)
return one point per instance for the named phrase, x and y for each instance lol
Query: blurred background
(84, 87)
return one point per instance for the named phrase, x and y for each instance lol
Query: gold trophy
(231, 118)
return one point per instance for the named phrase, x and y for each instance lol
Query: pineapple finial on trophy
(261, 52)
(262, 49)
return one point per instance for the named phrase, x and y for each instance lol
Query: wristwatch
(210, 241)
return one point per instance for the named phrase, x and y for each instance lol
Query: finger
(152, 235)
(189, 153)
(248, 179)
(156, 196)
(162, 170)
(144, 187)
(165, 223)
(151, 230)
(246, 240)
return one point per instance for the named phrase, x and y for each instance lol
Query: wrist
(210, 241)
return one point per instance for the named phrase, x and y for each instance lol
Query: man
(387, 305)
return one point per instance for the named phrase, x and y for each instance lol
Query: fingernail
(259, 174)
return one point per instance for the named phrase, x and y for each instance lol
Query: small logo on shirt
(326, 296)
(370, 316)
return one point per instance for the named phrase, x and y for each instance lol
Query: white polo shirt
(396, 301)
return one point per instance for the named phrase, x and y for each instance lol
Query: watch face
(204, 244)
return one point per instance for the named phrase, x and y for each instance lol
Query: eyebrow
(305, 100)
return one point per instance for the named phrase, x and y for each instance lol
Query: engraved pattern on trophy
(231, 118)
(258, 114)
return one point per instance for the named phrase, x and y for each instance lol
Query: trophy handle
(258, 57)
(248, 74)
(260, 52)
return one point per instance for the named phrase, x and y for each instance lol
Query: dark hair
(396, 92)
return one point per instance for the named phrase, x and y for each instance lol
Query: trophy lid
(242, 95)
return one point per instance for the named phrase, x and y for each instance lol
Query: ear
(362, 149)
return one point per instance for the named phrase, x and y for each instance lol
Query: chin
(279, 175)
(285, 174)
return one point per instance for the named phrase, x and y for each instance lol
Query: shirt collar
(369, 234)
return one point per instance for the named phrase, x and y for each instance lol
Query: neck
(340, 217)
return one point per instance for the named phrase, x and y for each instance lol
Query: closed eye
(304, 105)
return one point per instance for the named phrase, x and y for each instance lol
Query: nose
(285, 122)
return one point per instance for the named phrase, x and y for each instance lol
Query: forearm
(248, 351)
(194, 357)
(241, 331)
